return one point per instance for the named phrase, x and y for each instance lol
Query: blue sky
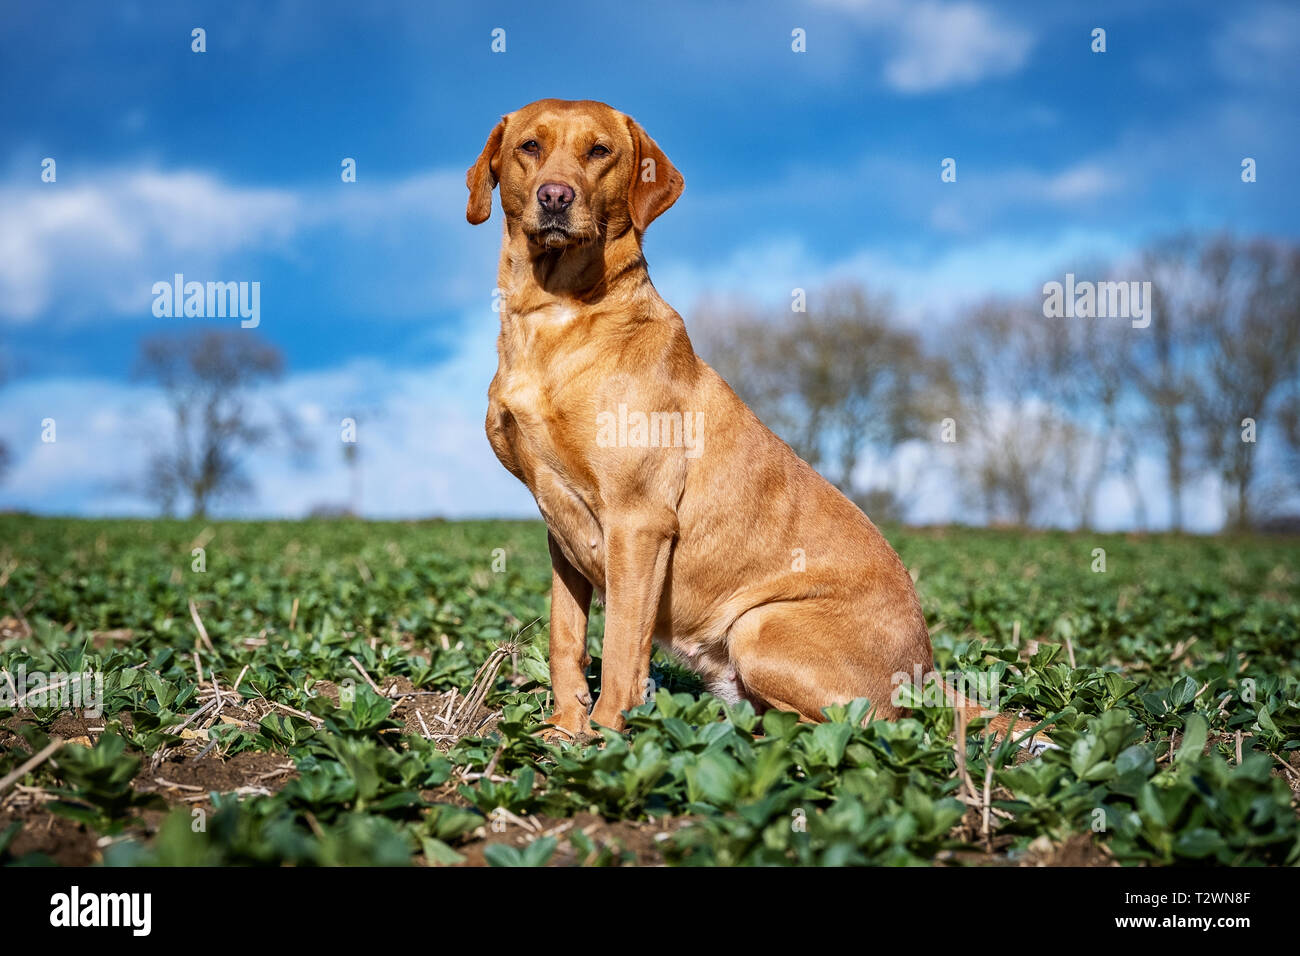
(801, 168)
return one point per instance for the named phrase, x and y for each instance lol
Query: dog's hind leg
(802, 656)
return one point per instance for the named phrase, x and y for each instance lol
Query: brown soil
(190, 781)
(66, 842)
(1292, 776)
(1077, 850)
(180, 780)
(635, 842)
(14, 629)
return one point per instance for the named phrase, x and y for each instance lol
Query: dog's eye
(597, 151)
(530, 146)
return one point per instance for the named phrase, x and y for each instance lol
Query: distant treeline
(1188, 370)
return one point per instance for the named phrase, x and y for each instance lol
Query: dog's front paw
(608, 716)
(571, 725)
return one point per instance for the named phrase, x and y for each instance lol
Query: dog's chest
(525, 419)
(535, 400)
(511, 439)
(535, 426)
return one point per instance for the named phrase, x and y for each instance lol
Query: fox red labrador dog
(660, 488)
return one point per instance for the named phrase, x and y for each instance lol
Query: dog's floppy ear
(656, 183)
(481, 178)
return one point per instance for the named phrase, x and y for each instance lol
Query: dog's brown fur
(743, 561)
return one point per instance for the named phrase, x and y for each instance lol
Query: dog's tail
(1000, 725)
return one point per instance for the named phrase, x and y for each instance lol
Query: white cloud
(1084, 182)
(982, 198)
(906, 191)
(1260, 46)
(100, 244)
(957, 44)
(936, 45)
(94, 246)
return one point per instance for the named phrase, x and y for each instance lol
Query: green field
(1178, 717)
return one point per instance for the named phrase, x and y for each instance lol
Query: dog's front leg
(637, 549)
(570, 604)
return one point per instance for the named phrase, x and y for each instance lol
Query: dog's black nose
(555, 197)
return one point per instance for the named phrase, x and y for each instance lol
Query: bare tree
(1249, 311)
(1286, 487)
(1223, 347)
(206, 377)
(837, 382)
(1162, 363)
(1010, 443)
(1047, 410)
(1080, 368)
(352, 459)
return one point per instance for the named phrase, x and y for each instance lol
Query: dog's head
(571, 172)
